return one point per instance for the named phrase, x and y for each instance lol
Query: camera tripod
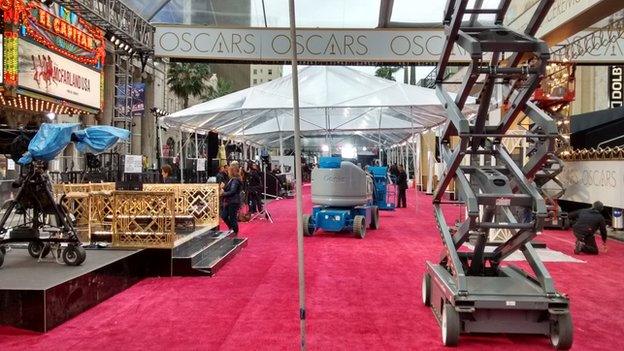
(36, 210)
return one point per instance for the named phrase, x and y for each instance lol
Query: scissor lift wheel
(426, 290)
(561, 331)
(450, 325)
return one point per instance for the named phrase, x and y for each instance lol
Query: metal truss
(497, 196)
(122, 115)
(117, 19)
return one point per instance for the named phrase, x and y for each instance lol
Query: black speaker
(213, 145)
(213, 167)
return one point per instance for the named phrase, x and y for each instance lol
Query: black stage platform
(41, 295)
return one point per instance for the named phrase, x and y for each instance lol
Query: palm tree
(187, 79)
(386, 72)
(223, 87)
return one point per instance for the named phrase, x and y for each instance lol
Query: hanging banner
(43, 71)
(136, 99)
(313, 45)
(589, 181)
(616, 88)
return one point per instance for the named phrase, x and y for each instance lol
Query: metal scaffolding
(116, 19)
(122, 113)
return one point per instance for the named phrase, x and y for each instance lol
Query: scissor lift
(472, 290)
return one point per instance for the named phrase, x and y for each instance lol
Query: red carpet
(361, 295)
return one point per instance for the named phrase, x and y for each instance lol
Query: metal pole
(407, 160)
(298, 175)
(281, 146)
(158, 146)
(181, 157)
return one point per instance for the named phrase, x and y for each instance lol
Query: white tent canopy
(333, 100)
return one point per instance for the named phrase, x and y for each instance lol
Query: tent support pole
(414, 159)
(281, 146)
(407, 168)
(298, 175)
(181, 158)
(159, 154)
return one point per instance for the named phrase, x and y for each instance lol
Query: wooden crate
(143, 219)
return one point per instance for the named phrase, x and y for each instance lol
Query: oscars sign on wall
(45, 72)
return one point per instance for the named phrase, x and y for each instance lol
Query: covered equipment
(342, 195)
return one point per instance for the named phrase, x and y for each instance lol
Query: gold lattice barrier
(199, 200)
(89, 203)
(143, 219)
(79, 205)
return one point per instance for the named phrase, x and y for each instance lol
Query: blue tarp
(51, 140)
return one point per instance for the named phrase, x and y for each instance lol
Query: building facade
(260, 74)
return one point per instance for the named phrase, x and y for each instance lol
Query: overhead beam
(385, 13)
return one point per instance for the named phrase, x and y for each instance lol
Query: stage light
(51, 116)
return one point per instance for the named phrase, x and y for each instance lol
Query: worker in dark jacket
(588, 221)
(402, 185)
(230, 198)
(222, 176)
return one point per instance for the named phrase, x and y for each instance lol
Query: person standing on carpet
(587, 222)
(230, 198)
(222, 176)
(255, 188)
(402, 185)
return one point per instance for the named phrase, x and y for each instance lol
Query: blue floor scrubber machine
(342, 198)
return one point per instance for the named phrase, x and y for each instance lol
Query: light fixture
(324, 148)
(363, 148)
(51, 116)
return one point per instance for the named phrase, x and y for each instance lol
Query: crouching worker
(588, 221)
(230, 198)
